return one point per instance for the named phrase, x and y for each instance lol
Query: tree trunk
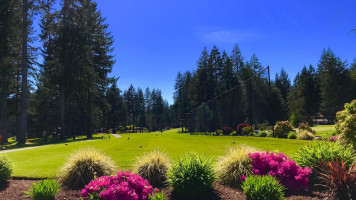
(63, 125)
(24, 86)
(3, 101)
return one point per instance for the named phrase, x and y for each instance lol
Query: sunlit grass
(45, 161)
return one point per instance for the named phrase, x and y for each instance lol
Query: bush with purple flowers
(283, 168)
(123, 186)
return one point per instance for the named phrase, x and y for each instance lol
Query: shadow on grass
(35, 142)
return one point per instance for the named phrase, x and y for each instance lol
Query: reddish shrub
(227, 130)
(240, 127)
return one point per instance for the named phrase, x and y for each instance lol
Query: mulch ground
(14, 190)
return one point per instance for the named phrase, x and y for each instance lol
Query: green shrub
(263, 187)
(292, 135)
(282, 129)
(158, 196)
(233, 133)
(270, 134)
(346, 124)
(219, 132)
(153, 167)
(248, 131)
(306, 127)
(305, 135)
(192, 175)
(44, 190)
(234, 164)
(83, 166)
(262, 134)
(312, 154)
(6, 168)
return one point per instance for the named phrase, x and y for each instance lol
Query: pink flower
(243, 178)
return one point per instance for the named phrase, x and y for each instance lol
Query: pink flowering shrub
(283, 168)
(240, 127)
(124, 186)
(333, 138)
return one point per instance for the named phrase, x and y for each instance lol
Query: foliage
(6, 168)
(305, 135)
(333, 138)
(262, 134)
(157, 196)
(44, 190)
(235, 164)
(263, 187)
(219, 132)
(292, 135)
(240, 127)
(153, 167)
(282, 128)
(248, 131)
(283, 168)
(233, 133)
(192, 175)
(315, 152)
(305, 126)
(124, 185)
(338, 178)
(346, 124)
(227, 130)
(82, 166)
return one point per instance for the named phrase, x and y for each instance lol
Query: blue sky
(154, 39)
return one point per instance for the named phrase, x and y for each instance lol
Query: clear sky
(154, 39)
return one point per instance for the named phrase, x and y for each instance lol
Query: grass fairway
(44, 161)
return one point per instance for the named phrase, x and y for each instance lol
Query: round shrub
(346, 124)
(305, 135)
(43, 190)
(6, 169)
(282, 129)
(234, 165)
(219, 133)
(314, 153)
(82, 166)
(192, 175)
(262, 134)
(240, 127)
(124, 185)
(248, 131)
(263, 187)
(292, 135)
(153, 167)
(283, 168)
(305, 126)
(227, 130)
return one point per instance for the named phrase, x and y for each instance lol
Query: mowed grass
(44, 161)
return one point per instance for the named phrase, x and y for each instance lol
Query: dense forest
(225, 89)
(70, 93)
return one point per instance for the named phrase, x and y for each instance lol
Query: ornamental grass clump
(305, 135)
(83, 166)
(263, 187)
(312, 154)
(306, 127)
(338, 178)
(44, 190)
(124, 185)
(192, 175)
(153, 167)
(283, 168)
(282, 129)
(6, 168)
(236, 164)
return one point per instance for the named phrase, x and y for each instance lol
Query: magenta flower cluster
(124, 186)
(283, 168)
(333, 138)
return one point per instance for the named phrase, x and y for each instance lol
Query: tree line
(69, 93)
(227, 89)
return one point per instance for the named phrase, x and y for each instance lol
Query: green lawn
(44, 161)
